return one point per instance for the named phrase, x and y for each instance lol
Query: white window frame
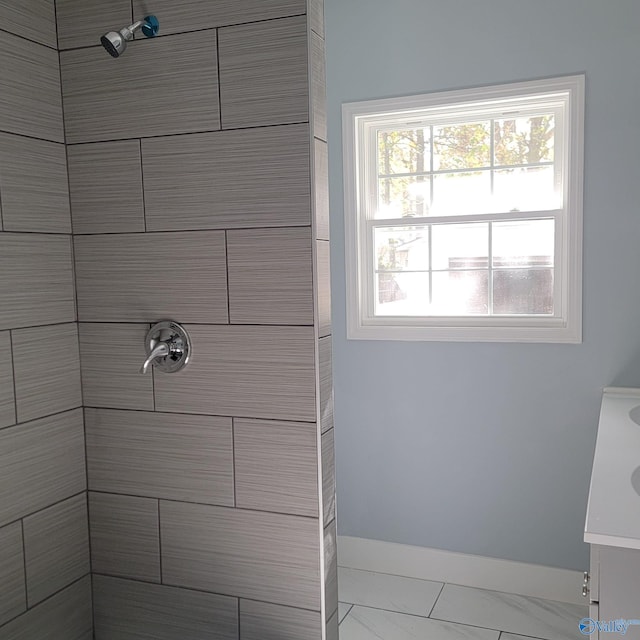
(360, 119)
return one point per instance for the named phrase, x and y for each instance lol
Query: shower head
(115, 42)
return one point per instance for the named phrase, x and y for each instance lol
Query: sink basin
(635, 480)
(634, 414)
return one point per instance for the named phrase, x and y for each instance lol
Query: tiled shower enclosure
(185, 180)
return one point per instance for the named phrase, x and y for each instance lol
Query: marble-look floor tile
(363, 623)
(511, 613)
(513, 636)
(343, 610)
(383, 591)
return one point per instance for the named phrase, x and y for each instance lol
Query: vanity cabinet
(612, 526)
(614, 588)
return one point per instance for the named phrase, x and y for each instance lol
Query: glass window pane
(402, 294)
(404, 197)
(523, 291)
(461, 146)
(523, 243)
(531, 189)
(461, 193)
(404, 151)
(405, 248)
(460, 246)
(460, 293)
(524, 140)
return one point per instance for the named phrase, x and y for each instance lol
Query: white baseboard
(524, 579)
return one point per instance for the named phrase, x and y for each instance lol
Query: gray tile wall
(198, 186)
(45, 591)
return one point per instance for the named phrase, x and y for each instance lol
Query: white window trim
(564, 329)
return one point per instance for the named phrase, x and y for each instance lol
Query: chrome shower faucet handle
(168, 347)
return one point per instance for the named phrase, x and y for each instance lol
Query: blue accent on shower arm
(151, 26)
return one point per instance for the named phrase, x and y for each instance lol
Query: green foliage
(517, 141)
(462, 146)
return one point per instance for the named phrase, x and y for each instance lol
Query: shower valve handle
(168, 347)
(159, 351)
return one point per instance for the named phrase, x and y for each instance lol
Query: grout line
(196, 590)
(219, 78)
(239, 618)
(436, 600)
(160, 544)
(346, 615)
(228, 287)
(183, 133)
(191, 324)
(174, 231)
(200, 504)
(13, 379)
(418, 615)
(187, 31)
(22, 37)
(28, 422)
(144, 200)
(233, 459)
(49, 506)
(36, 606)
(24, 563)
(28, 137)
(59, 234)
(53, 324)
(186, 413)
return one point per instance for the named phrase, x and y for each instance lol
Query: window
(464, 214)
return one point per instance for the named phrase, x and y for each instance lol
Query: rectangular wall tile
(318, 87)
(143, 94)
(33, 107)
(262, 621)
(328, 477)
(41, 462)
(253, 178)
(111, 356)
(82, 22)
(255, 372)
(7, 400)
(323, 271)
(65, 616)
(56, 542)
(263, 73)
(46, 364)
(270, 276)
(182, 16)
(326, 383)
(330, 570)
(13, 599)
(132, 277)
(124, 608)
(105, 181)
(276, 466)
(36, 280)
(125, 538)
(35, 20)
(261, 556)
(178, 457)
(321, 190)
(316, 16)
(33, 185)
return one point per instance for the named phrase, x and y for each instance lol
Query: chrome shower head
(115, 42)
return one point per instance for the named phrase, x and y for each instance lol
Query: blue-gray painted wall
(476, 447)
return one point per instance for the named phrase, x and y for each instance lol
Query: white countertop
(613, 512)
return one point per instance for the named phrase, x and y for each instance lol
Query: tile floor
(377, 606)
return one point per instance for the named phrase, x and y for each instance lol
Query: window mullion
(490, 270)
